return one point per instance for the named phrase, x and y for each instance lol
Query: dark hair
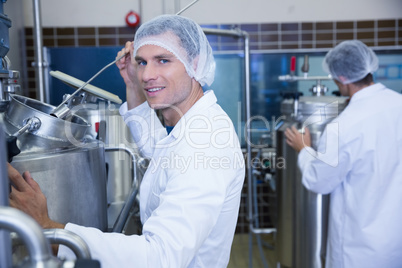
(367, 80)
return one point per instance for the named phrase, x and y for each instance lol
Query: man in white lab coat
(359, 162)
(190, 193)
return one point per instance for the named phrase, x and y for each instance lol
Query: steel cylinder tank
(302, 214)
(67, 163)
(121, 154)
(5, 241)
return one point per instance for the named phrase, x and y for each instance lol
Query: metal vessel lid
(21, 108)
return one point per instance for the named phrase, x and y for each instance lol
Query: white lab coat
(189, 195)
(361, 166)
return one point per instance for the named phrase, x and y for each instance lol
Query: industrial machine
(17, 228)
(69, 167)
(84, 161)
(302, 215)
(8, 78)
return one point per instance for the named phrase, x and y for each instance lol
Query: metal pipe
(125, 211)
(29, 231)
(293, 78)
(132, 154)
(234, 32)
(248, 144)
(140, 10)
(61, 237)
(39, 64)
(245, 36)
(69, 239)
(186, 7)
(242, 34)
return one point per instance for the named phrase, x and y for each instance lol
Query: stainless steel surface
(73, 181)
(31, 124)
(9, 84)
(302, 219)
(121, 156)
(20, 109)
(67, 163)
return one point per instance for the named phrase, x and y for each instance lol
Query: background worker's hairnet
(185, 39)
(350, 61)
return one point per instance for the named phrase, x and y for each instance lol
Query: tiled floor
(239, 257)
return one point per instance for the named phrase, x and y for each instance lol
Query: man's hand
(296, 139)
(127, 65)
(27, 196)
(128, 70)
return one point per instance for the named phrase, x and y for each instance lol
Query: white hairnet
(350, 61)
(185, 39)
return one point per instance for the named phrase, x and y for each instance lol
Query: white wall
(81, 13)
(112, 13)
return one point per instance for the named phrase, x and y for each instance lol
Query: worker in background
(359, 163)
(190, 193)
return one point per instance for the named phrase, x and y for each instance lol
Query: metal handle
(29, 231)
(30, 124)
(69, 239)
(62, 237)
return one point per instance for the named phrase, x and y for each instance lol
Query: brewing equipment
(5, 243)
(17, 228)
(8, 78)
(84, 162)
(121, 157)
(101, 110)
(31, 234)
(302, 214)
(68, 166)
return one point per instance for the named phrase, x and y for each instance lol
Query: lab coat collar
(204, 102)
(367, 92)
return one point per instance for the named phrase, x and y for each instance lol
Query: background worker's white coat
(361, 167)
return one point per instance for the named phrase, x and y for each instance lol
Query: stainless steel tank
(5, 241)
(121, 156)
(302, 219)
(68, 164)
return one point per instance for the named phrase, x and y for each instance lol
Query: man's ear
(342, 79)
(195, 63)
